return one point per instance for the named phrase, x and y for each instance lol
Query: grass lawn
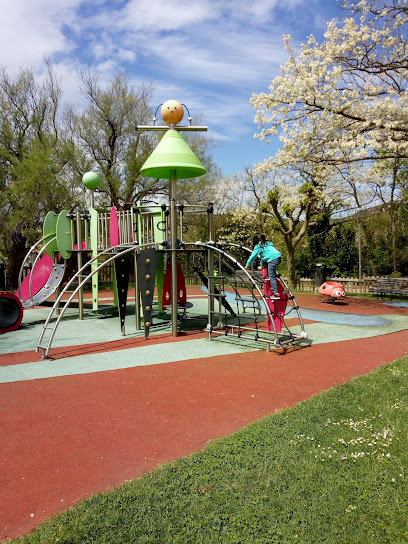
(331, 469)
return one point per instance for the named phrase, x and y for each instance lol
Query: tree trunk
(15, 260)
(290, 262)
(393, 238)
(367, 244)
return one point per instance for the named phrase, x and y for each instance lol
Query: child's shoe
(274, 296)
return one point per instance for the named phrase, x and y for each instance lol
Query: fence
(352, 286)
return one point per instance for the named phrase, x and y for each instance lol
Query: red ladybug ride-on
(333, 290)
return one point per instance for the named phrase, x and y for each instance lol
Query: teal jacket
(266, 253)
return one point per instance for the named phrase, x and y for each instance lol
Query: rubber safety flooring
(105, 408)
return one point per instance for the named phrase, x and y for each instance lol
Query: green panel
(49, 230)
(158, 217)
(64, 239)
(93, 234)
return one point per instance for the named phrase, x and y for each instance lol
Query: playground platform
(105, 408)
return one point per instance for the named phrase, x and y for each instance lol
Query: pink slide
(43, 271)
(47, 277)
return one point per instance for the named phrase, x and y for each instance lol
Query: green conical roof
(172, 153)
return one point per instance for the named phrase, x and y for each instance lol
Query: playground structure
(148, 243)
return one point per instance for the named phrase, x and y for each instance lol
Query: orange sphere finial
(172, 112)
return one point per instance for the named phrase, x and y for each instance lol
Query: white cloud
(210, 54)
(169, 15)
(67, 73)
(126, 55)
(31, 30)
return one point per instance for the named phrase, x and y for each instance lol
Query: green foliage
(331, 469)
(45, 149)
(335, 248)
(38, 162)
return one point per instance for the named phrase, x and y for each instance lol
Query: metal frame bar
(240, 246)
(213, 247)
(190, 128)
(126, 249)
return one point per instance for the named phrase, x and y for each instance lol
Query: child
(269, 256)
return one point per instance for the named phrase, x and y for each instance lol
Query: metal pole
(173, 226)
(211, 283)
(92, 199)
(359, 249)
(79, 261)
(181, 207)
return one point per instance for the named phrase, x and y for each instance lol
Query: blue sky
(209, 54)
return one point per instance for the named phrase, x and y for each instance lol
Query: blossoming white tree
(340, 104)
(345, 99)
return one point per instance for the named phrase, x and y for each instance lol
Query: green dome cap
(172, 153)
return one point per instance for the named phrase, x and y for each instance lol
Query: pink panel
(76, 247)
(181, 287)
(277, 307)
(113, 228)
(42, 272)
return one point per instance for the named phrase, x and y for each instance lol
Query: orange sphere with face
(172, 112)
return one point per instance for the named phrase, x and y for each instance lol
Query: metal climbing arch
(234, 284)
(60, 306)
